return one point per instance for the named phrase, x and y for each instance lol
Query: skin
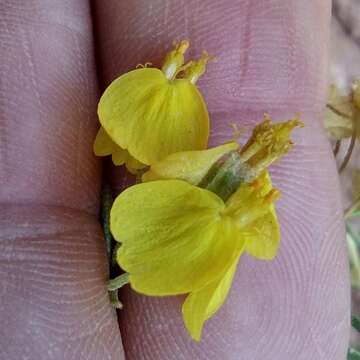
(272, 57)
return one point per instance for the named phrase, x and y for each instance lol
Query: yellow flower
(150, 113)
(184, 234)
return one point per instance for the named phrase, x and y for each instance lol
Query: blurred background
(344, 68)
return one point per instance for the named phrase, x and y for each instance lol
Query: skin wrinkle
(271, 57)
(42, 297)
(65, 93)
(53, 300)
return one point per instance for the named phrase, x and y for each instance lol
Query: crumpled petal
(201, 305)
(152, 117)
(190, 166)
(174, 239)
(104, 146)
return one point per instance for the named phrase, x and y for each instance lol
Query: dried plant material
(342, 119)
(338, 119)
(356, 184)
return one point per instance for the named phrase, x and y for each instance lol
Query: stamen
(183, 68)
(118, 282)
(175, 59)
(197, 69)
(266, 161)
(141, 66)
(272, 196)
(182, 46)
(236, 133)
(250, 151)
(268, 143)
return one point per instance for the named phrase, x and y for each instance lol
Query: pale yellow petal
(337, 127)
(190, 166)
(341, 103)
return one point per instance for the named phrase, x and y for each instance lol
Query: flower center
(268, 143)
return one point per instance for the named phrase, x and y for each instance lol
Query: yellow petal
(190, 166)
(173, 238)
(239, 200)
(200, 305)
(252, 209)
(133, 165)
(262, 237)
(152, 117)
(119, 156)
(103, 144)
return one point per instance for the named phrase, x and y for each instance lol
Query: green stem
(355, 322)
(337, 147)
(106, 203)
(114, 299)
(118, 282)
(347, 157)
(355, 206)
(113, 255)
(225, 176)
(349, 152)
(353, 354)
(353, 233)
